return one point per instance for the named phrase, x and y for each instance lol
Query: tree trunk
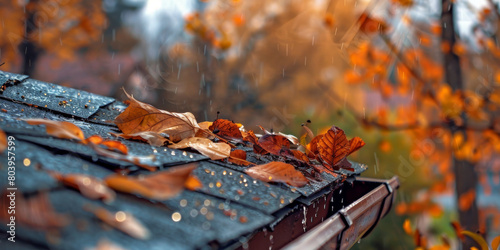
(27, 48)
(465, 175)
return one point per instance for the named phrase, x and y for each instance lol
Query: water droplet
(224, 172)
(176, 217)
(173, 152)
(218, 184)
(183, 202)
(184, 153)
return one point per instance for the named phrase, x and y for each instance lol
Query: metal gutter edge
(344, 228)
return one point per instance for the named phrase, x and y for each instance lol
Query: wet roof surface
(230, 205)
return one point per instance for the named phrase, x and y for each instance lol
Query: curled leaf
(292, 138)
(140, 117)
(278, 172)
(495, 243)
(226, 129)
(215, 151)
(122, 221)
(158, 186)
(153, 138)
(141, 161)
(355, 144)
(333, 147)
(115, 145)
(205, 125)
(89, 186)
(312, 147)
(59, 129)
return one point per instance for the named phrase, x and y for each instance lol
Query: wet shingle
(68, 101)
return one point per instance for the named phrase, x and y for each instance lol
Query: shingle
(55, 97)
(239, 187)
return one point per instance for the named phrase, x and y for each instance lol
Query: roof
(205, 220)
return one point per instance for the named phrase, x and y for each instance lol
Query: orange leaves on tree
(214, 150)
(466, 200)
(139, 117)
(328, 20)
(371, 25)
(226, 129)
(158, 186)
(122, 221)
(195, 25)
(333, 148)
(407, 227)
(278, 172)
(417, 207)
(88, 186)
(59, 129)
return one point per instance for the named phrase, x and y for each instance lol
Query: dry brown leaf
(122, 221)
(238, 157)
(333, 147)
(153, 138)
(215, 151)
(89, 186)
(158, 186)
(278, 172)
(274, 144)
(140, 117)
(355, 144)
(226, 129)
(205, 125)
(3, 141)
(312, 147)
(59, 129)
(35, 212)
(300, 156)
(292, 138)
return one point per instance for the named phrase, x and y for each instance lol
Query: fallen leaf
(193, 183)
(115, 145)
(59, 129)
(238, 157)
(333, 147)
(94, 139)
(274, 144)
(215, 151)
(355, 144)
(35, 212)
(153, 138)
(292, 138)
(264, 130)
(140, 117)
(312, 147)
(226, 129)
(278, 172)
(205, 125)
(3, 141)
(300, 156)
(122, 221)
(89, 186)
(158, 186)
